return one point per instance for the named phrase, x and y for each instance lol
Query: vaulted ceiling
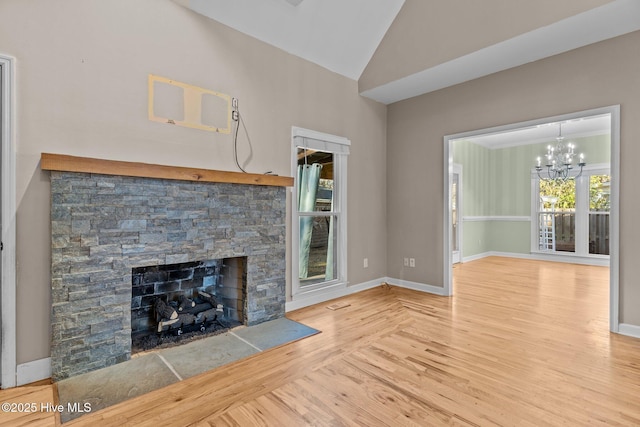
(340, 35)
(398, 49)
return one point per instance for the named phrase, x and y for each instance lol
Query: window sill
(311, 290)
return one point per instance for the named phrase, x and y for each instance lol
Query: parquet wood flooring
(521, 343)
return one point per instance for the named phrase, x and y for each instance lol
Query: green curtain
(308, 181)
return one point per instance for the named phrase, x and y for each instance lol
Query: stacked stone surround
(104, 226)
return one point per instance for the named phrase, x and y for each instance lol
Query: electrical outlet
(412, 262)
(366, 263)
(406, 262)
(235, 115)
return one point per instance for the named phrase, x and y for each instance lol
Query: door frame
(457, 169)
(8, 367)
(614, 232)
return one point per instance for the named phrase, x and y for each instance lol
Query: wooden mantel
(64, 163)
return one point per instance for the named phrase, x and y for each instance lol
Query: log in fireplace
(186, 300)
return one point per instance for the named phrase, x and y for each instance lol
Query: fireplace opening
(176, 303)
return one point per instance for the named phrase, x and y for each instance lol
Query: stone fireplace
(105, 224)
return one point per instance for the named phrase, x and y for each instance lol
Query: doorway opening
(488, 218)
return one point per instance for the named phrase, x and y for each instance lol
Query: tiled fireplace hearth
(105, 223)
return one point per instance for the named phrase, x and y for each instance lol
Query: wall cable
(236, 118)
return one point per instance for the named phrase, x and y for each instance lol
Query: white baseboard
(423, 287)
(33, 371)
(603, 262)
(476, 256)
(629, 330)
(342, 292)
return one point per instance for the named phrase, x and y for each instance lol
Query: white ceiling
(576, 128)
(342, 36)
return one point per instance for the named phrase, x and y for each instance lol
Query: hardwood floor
(521, 343)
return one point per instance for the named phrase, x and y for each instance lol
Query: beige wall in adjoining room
(603, 74)
(82, 68)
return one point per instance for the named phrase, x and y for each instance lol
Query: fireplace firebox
(193, 299)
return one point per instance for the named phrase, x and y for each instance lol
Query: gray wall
(82, 68)
(599, 75)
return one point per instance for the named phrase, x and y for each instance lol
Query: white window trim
(340, 147)
(582, 221)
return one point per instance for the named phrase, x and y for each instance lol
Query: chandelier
(559, 160)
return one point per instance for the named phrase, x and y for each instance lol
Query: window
(557, 214)
(319, 211)
(573, 215)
